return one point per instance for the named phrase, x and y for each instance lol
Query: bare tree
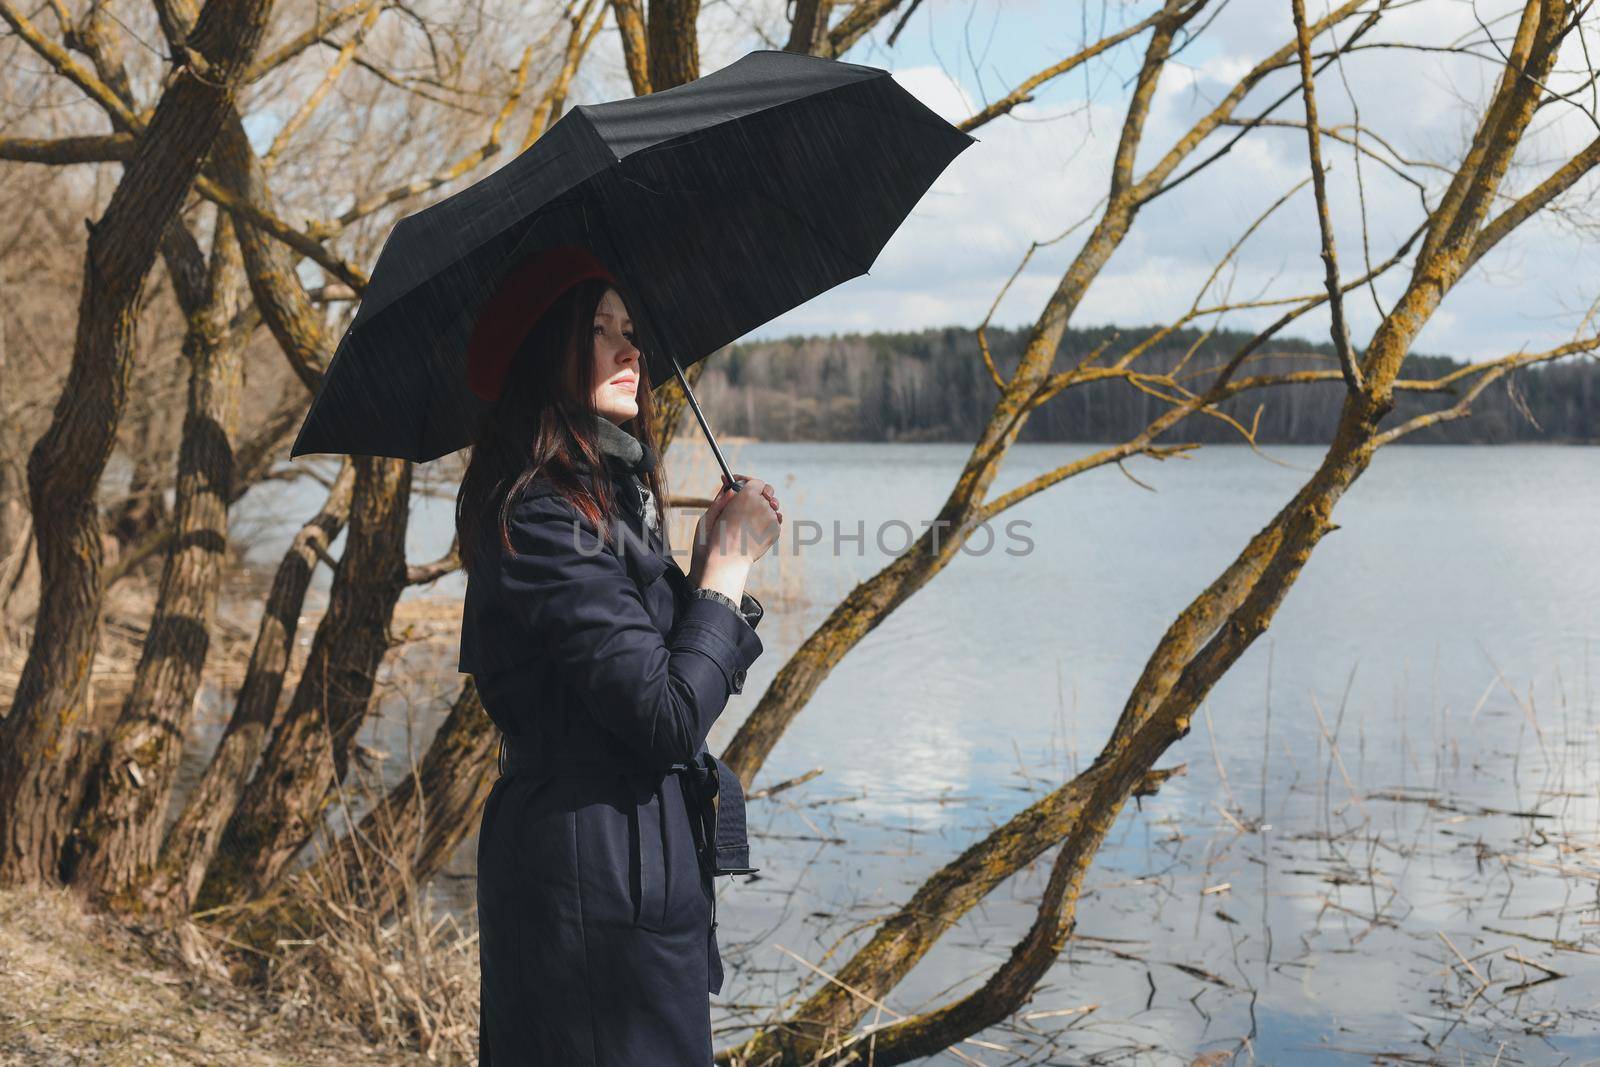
(310, 749)
(174, 884)
(129, 792)
(122, 817)
(49, 734)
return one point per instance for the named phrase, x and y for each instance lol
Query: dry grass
(332, 960)
(76, 987)
(408, 983)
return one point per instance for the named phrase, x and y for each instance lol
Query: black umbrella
(723, 203)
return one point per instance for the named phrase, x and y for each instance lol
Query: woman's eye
(629, 334)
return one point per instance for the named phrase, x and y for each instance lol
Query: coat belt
(721, 837)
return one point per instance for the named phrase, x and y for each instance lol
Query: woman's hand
(711, 531)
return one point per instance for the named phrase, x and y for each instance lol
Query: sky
(1042, 170)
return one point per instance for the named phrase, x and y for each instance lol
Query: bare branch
(1023, 93)
(1330, 254)
(318, 33)
(314, 100)
(69, 68)
(92, 148)
(422, 574)
(856, 24)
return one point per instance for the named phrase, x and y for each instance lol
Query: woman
(604, 665)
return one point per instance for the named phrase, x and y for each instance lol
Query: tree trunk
(674, 43)
(412, 833)
(635, 49)
(809, 31)
(173, 886)
(49, 733)
(16, 528)
(295, 322)
(309, 752)
(125, 815)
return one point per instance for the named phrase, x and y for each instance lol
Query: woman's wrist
(726, 575)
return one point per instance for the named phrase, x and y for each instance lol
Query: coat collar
(645, 551)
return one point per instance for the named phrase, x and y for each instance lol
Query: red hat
(525, 295)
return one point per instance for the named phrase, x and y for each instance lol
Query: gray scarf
(622, 450)
(626, 453)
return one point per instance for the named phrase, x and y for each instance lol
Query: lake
(1390, 815)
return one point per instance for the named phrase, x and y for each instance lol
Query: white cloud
(938, 90)
(1028, 179)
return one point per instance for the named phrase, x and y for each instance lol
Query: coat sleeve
(658, 695)
(750, 608)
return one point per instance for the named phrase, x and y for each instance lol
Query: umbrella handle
(728, 480)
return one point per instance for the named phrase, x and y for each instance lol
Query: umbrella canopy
(722, 203)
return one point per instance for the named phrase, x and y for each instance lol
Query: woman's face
(616, 360)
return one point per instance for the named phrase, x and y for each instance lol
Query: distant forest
(932, 386)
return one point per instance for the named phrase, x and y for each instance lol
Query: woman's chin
(620, 411)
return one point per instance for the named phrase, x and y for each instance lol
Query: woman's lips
(627, 383)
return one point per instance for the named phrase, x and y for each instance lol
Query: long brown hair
(543, 426)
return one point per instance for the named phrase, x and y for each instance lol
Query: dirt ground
(76, 988)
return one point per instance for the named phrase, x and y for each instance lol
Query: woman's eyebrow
(607, 315)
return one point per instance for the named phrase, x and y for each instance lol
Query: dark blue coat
(598, 843)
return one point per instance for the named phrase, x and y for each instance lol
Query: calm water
(1277, 899)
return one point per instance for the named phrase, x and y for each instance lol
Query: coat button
(738, 680)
